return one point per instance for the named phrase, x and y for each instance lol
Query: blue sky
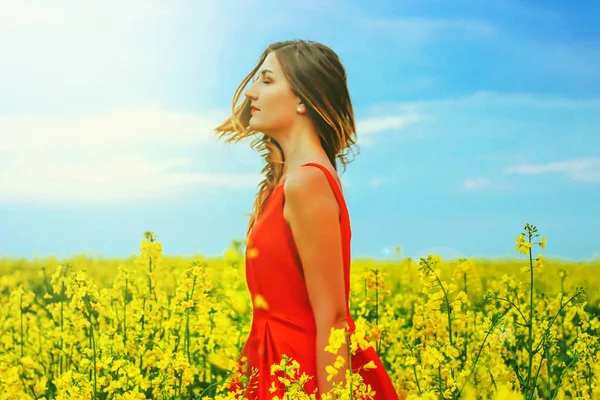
(473, 118)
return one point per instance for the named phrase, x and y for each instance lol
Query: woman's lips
(253, 109)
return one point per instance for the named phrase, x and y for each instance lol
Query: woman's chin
(253, 124)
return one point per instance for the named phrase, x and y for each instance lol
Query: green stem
(62, 319)
(578, 293)
(516, 364)
(515, 306)
(477, 357)
(561, 377)
(143, 330)
(125, 314)
(377, 297)
(464, 358)
(530, 387)
(549, 370)
(417, 380)
(62, 330)
(448, 312)
(93, 341)
(21, 312)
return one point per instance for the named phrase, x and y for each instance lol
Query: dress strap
(334, 185)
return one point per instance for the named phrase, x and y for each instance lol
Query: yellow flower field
(172, 328)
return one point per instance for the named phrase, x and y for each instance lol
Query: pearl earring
(299, 109)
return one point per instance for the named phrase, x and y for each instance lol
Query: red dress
(286, 325)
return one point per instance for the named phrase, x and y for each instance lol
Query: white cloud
(17, 14)
(120, 179)
(130, 154)
(491, 98)
(480, 183)
(27, 13)
(531, 100)
(375, 182)
(581, 170)
(123, 155)
(367, 128)
(66, 56)
(125, 129)
(372, 126)
(418, 29)
(63, 58)
(475, 183)
(67, 44)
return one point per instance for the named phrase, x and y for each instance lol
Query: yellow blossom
(331, 372)
(370, 365)
(436, 259)
(252, 253)
(337, 337)
(260, 302)
(410, 360)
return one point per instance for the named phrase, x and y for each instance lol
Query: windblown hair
(317, 76)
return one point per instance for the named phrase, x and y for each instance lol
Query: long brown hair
(317, 76)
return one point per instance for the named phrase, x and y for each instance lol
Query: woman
(298, 237)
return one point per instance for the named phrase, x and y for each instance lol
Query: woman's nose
(250, 94)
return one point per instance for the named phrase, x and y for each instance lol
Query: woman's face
(272, 95)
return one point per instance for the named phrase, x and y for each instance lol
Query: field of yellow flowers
(172, 328)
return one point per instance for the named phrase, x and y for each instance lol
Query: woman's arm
(313, 215)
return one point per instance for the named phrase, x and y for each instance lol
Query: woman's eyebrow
(263, 72)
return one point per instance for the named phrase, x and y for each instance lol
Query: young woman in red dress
(298, 238)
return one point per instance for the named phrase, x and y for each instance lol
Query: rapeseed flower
(260, 302)
(173, 330)
(337, 338)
